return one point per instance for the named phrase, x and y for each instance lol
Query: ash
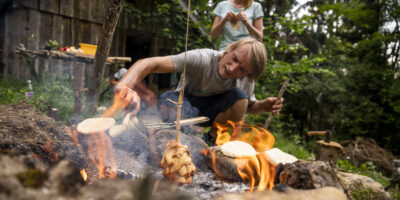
(205, 184)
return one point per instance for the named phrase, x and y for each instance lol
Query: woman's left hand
(241, 16)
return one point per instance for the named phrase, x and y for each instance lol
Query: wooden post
(328, 151)
(79, 80)
(49, 110)
(103, 47)
(54, 113)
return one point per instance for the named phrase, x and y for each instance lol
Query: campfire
(95, 145)
(247, 145)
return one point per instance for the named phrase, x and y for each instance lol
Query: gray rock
(308, 175)
(326, 193)
(363, 187)
(65, 178)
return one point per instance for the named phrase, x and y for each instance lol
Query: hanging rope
(180, 100)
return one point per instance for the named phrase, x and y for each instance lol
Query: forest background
(342, 58)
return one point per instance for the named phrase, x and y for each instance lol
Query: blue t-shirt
(230, 35)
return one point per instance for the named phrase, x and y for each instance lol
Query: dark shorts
(194, 106)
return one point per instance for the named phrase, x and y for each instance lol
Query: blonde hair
(248, 4)
(257, 57)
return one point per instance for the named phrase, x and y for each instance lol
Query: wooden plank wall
(34, 22)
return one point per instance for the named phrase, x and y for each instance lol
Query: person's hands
(241, 16)
(128, 99)
(271, 104)
(231, 17)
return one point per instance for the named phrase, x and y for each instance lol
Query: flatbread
(127, 123)
(276, 156)
(236, 149)
(95, 125)
(117, 130)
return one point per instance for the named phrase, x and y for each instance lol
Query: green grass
(292, 146)
(366, 169)
(12, 91)
(370, 170)
(55, 91)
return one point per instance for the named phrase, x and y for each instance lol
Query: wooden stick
(346, 191)
(179, 106)
(283, 88)
(195, 120)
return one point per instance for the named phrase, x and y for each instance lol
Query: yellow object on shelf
(89, 49)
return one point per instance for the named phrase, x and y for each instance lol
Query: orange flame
(257, 137)
(84, 175)
(99, 146)
(214, 164)
(50, 150)
(119, 104)
(99, 152)
(256, 169)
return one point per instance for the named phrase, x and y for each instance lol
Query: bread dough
(95, 125)
(236, 149)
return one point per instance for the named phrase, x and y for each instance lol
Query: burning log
(225, 167)
(98, 147)
(241, 152)
(308, 175)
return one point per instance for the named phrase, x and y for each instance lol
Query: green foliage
(12, 91)
(293, 145)
(370, 170)
(395, 192)
(56, 92)
(32, 178)
(361, 193)
(366, 169)
(51, 44)
(169, 20)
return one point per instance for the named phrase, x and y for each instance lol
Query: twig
(283, 88)
(346, 191)
(179, 106)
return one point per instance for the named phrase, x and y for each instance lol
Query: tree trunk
(96, 74)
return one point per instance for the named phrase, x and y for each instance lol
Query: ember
(256, 168)
(50, 150)
(84, 175)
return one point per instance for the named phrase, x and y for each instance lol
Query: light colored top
(229, 35)
(202, 77)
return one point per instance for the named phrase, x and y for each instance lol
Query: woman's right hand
(231, 17)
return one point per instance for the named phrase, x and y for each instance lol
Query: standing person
(219, 85)
(237, 19)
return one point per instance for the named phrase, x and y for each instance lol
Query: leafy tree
(359, 49)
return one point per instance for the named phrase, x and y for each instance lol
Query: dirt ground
(25, 130)
(361, 150)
